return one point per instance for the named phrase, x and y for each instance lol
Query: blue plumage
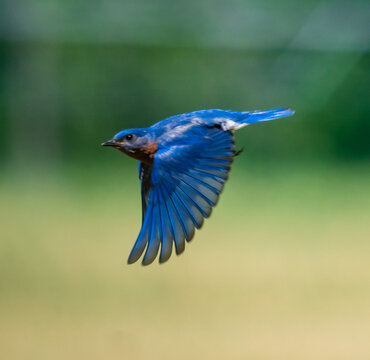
(184, 163)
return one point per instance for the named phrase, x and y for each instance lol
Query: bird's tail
(233, 120)
(251, 117)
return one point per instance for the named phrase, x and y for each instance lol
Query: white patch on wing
(228, 124)
(196, 120)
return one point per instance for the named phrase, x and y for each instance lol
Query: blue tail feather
(250, 117)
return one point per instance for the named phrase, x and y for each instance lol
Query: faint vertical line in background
(31, 88)
(33, 103)
(328, 46)
(312, 78)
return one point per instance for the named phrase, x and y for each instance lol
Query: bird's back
(199, 117)
(189, 126)
(176, 128)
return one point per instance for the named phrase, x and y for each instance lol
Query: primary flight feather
(184, 163)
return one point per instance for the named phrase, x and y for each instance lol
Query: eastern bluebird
(184, 163)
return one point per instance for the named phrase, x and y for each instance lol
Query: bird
(184, 162)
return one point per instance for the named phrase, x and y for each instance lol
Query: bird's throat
(145, 154)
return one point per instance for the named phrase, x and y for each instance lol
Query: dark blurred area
(73, 73)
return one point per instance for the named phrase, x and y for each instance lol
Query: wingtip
(147, 260)
(180, 248)
(163, 260)
(130, 261)
(133, 257)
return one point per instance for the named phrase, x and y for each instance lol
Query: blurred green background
(280, 271)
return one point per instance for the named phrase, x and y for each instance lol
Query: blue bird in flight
(184, 163)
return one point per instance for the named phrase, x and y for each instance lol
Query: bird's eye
(129, 137)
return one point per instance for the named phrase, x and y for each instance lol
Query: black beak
(110, 143)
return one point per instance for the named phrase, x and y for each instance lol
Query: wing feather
(142, 239)
(167, 233)
(155, 232)
(179, 191)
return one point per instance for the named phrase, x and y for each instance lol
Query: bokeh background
(280, 271)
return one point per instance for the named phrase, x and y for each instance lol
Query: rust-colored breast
(145, 154)
(150, 149)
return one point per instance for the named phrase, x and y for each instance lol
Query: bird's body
(184, 163)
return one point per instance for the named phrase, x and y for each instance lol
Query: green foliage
(61, 101)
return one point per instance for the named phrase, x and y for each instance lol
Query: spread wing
(180, 190)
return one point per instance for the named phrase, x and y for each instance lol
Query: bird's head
(136, 143)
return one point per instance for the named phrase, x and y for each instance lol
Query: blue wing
(180, 190)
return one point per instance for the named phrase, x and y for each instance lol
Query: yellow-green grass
(280, 271)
